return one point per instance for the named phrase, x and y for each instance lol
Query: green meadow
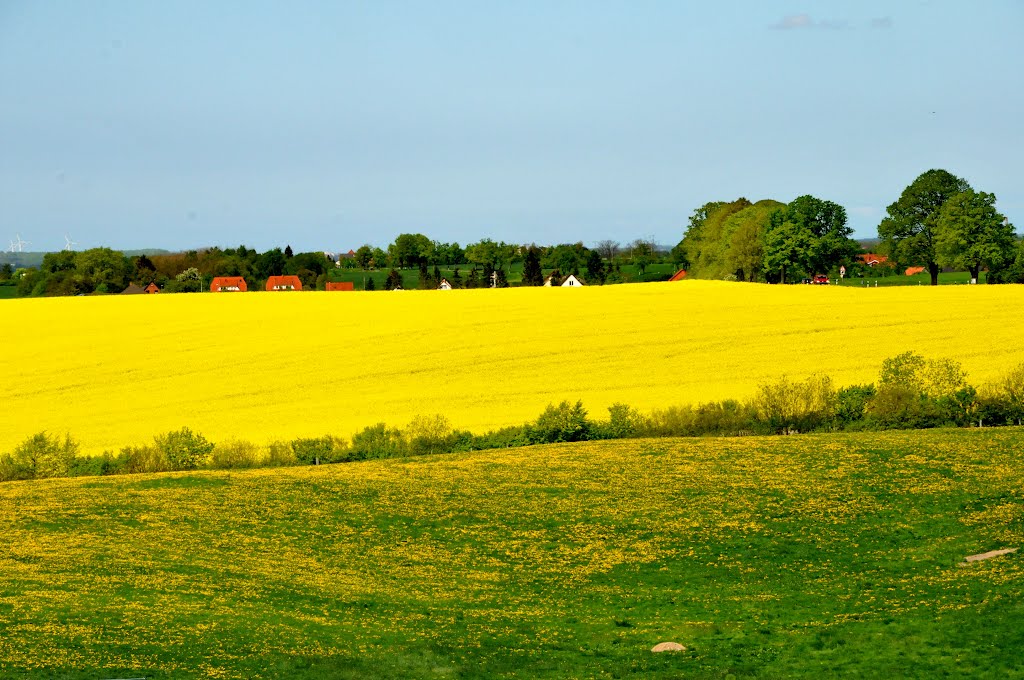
(838, 555)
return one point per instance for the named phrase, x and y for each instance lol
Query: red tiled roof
(679, 275)
(341, 285)
(284, 283)
(228, 284)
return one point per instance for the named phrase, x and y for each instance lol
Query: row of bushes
(911, 393)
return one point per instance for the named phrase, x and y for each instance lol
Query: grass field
(115, 371)
(823, 555)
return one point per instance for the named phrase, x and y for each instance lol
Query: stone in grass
(668, 647)
(988, 555)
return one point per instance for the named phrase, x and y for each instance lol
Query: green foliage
(531, 274)
(235, 455)
(971, 234)
(787, 406)
(851, 405)
(39, 457)
(378, 441)
(562, 423)
(317, 450)
(427, 435)
(394, 281)
(623, 421)
(910, 230)
(183, 449)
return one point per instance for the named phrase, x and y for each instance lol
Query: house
(872, 259)
(284, 283)
(132, 289)
(571, 282)
(228, 284)
(444, 285)
(340, 285)
(679, 275)
(913, 270)
(152, 288)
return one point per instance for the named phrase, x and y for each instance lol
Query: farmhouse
(284, 283)
(872, 259)
(340, 285)
(228, 284)
(444, 285)
(571, 282)
(133, 289)
(152, 288)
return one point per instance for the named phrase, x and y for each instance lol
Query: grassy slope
(774, 557)
(115, 371)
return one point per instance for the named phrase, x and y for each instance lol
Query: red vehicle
(820, 279)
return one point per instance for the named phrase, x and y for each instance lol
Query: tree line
(938, 221)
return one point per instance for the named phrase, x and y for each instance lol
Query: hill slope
(768, 557)
(115, 371)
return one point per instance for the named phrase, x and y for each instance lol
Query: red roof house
(871, 259)
(679, 275)
(284, 283)
(152, 288)
(228, 284)
(341, 285)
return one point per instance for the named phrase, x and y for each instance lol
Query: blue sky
(327, 125)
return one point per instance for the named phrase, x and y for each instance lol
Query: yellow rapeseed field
(114, 371)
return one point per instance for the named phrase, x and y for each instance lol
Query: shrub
(786, 406)
(136, 459)
(317, 450)
(428, 435)
(234, 454)
(623, 421)
(281, 454)
(378, 441)
(851, 404)
(562, 423)
(184, 449)
(674, 421)
(40, 456)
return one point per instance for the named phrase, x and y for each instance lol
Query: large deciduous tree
(808, 235)
(910, 229)
(971, 234)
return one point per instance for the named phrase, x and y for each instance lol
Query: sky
(326, 125)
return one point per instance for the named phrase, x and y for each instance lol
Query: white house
(571, 282)
(444, 285)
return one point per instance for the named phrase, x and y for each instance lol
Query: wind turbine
(68, 243)
(21, 243)
(11, 248)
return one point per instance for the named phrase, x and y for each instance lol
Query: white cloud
(798, 21)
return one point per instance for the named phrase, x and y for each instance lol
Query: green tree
(595, 268)
(184, 449)
(704, 243)
(369, 285)
(409, 250)
(489, 255)
(788, 246)
(971, 234)
(744, 234)
(394, 280)
(910, 229)
(532, 275)
(642, 254)
(270, 263)
(364, 256)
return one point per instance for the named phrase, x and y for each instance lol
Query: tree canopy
(910, 229)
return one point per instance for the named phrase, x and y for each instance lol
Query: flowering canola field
(114, 371)
(836, 555)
